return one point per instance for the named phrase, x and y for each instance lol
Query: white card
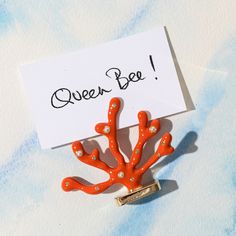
(69, 94)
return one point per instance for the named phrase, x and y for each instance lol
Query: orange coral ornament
(124, 173)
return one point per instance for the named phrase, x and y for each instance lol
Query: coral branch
(90, 159)
(109, 130)
(163, 149)
(145, 133)
(70, 184)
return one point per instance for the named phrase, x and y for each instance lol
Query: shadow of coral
(186, 146)
(167, 186)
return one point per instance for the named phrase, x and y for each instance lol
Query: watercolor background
(199, 179)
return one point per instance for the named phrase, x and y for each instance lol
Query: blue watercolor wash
(18, 11)
(140, 15)
(15, 187)
(18, 158)
(231, 231)
(12, 13)
(6, 19)
(58, 25)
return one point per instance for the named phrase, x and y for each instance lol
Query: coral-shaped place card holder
(124, 173)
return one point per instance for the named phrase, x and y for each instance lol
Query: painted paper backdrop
(198, 195)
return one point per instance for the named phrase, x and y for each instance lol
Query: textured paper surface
(70, 94)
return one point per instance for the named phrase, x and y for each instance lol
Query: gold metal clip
(138, 194)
